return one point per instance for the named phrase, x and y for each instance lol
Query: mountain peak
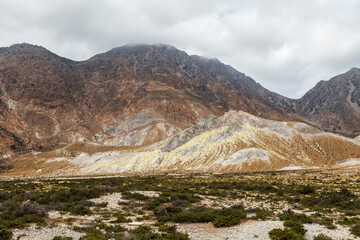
(353, 70)
(26, 46)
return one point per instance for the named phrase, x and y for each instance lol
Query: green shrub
(93, 234)
(355, 230)
(136, 196)
(328, 222)
(306, 189)
(322, 237)
(295, 226)
(262, 214)
(309, 201)
(350, 221)
(226, 221)
(120, 218)
(6, 234)
(161, 211)
(23, 221)
(202, 214)
(168, 229)
(290, 215)
(194, 217)
(175, 236)
(153, 205)
(344, 199)
(144, 232)
(62, 238)
(102, 205)
(286, 234)
(76, 209)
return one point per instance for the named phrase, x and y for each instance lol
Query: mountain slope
(332, 105)
(132, 95)
(235, 142)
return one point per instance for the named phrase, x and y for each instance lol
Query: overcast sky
(287, 46)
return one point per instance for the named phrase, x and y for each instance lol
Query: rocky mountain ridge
(332, 105)
(155, 108)
(132, 95)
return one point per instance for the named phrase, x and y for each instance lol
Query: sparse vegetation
(182, 199)
(356, 230)
(322, 237)
(286, 234)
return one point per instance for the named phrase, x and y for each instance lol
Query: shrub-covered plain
(225, 200)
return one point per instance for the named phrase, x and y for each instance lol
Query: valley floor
(304, 204)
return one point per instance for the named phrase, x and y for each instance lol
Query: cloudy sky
(287, 46)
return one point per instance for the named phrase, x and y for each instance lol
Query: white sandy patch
(150, 194)
(349, 162)
(111, 199)
(257, 230)
(35, 233)
(339, 233)
(245, 231)
(291, 168)
(59, 159)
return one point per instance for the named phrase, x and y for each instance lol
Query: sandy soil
(257, 230)
(45, 233)
(245, 231)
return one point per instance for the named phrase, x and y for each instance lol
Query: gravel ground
(45, 233)
(257, 230)
(111, 199)
(339, 233)
(245, 231)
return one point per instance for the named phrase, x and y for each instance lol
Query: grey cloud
(287, 46)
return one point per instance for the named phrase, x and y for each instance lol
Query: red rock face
(133, 95)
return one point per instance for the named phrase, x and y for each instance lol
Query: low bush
(194, 217)
(144, 232)
(295, 226)
(135, 196)
(309, 201)
(120, 218)
(62, 238)
(286, 234)
(343, 199)
(349, 221)
(226, 221)
(322, 237)
(93, 234)
(5, 234)
(306, 189)
(328, 222)
(76, 209)
(290, 215)
(224, 217)
(102, 205)
(262, 214)
(355, 230)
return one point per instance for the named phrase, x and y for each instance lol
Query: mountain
(332, 106)
(154, 108)
(234, 142)
(129, 96)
